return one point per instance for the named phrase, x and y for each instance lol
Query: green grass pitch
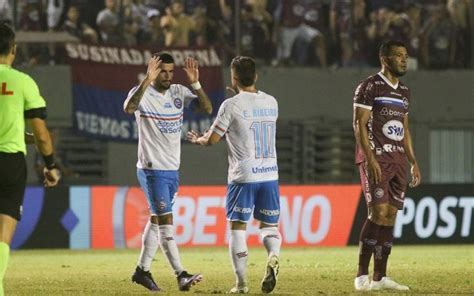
(303, 271)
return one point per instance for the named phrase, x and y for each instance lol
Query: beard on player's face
(163, 84)
(397, 70)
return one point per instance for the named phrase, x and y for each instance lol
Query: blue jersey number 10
(264, 135)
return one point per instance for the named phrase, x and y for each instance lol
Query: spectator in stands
(303, 20)
(304, 32)
(219, 18)
(131, 21)
(130, 32)
(254, 36)
(413, 12)
(438, 40)
(339, 23)
(390, 25)
(137, 11)
(400, 29)
(160, 5)
(56, 11)
(218, 27)
(261, 14)
(177, 25)
(264, 19)
(88, 10)
(348, 24)
(153, 35)
(6, 13)
(108, 23)
(199, 34)
(459, 13)
(32, 18)
(74, 26)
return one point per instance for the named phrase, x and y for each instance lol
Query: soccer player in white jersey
(248, 120)
(158, 108)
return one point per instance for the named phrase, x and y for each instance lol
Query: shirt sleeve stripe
(219, 128)
(363, 106)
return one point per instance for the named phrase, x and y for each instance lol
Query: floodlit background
(86, 55)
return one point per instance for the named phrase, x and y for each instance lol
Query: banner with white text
(103, 75)
(432, 214)
(98, 217)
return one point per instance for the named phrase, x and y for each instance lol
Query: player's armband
(36, 113)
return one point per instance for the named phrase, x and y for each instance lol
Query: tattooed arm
(133, 100)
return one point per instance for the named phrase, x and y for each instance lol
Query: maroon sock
(382, 251)
(367, 242)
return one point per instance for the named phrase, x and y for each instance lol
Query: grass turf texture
(310, 271)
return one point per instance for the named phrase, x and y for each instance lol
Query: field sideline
(309, 271)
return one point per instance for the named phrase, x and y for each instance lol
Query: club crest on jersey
(178, 103)
(405, 103)
(379, 193)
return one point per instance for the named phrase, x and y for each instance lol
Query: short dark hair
(165, 57)
(244, 69)
(7, 38)
(386, 47)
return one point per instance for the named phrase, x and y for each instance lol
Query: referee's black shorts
(12, 183)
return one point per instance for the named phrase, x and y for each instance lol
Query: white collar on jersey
(394, 86)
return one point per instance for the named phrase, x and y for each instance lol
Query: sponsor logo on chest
(389, 112)
(393, 130)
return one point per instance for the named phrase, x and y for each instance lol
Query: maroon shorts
(391, 189)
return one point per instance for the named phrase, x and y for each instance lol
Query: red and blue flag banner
(103, 75)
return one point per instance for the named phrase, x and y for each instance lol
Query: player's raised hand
(415, 176)
(191, 69)
(153, 68)
(193, 136)
(51, 177)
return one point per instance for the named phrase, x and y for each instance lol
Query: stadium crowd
(320, 33)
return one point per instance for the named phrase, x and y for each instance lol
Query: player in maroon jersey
(383, 146)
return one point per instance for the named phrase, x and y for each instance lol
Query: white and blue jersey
(159, 119)
(248, 120)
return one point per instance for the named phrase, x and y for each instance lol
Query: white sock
(271, 239)
(169, 248)
(239, 254)
(150, 241)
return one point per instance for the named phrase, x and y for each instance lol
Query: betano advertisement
(82, 217)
